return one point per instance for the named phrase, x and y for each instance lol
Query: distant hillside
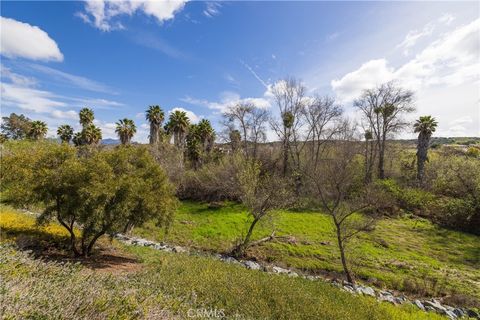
(110, 141)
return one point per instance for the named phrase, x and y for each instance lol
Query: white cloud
(29, 99)
(70, 114)
(370, 74)
(447, 19)
(23, 40)
(445, 76)
(413, 36)
(190, 114)
(103, 13)
(450, 60)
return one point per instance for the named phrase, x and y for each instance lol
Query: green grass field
(166, 286)
(408, 254)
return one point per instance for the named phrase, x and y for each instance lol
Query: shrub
(103, 192)
(409, 199)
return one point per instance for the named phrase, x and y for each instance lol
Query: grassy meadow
(162, 286)
(408, 254)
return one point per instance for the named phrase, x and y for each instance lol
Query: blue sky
(119, 57)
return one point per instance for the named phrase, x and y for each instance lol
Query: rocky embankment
(427, 305)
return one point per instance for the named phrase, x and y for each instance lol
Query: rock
(228, 259)
(293, 274)
(450, 314)
(280, 270)
(435, 305)
(428, 308)
(419, 304)
(159, 246)
(386, 293)
(348, 289)
(472, 313)
(388, 298)
(365, 291)
(459, 312)
(179, 249)
(252, 265)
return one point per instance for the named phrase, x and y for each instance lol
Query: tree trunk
(128, 227)
(422, 150)
(240, 249)
(285, 157)
(381, 160)
(342, 255)
(86, 251)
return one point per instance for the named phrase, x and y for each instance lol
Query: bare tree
(289, 95)
(261, 194)
(384, 108)
(336, 184)
(321, 116)
(240, 114)
(258, 120)
(370, 156)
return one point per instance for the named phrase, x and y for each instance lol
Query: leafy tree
(65, 132)
(178, 124)
(91, 135)
(155, 116)
(425, 127)
(15, 126)
(383, 108)
(86, 117)
(100, 193)
(206, 134)
(193, 141)
(38, 130)
(125, 129)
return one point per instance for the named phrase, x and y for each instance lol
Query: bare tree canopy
(384, 108)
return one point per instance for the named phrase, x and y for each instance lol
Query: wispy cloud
(254, 74)
(74, 80)
(155, 42)
(212, 9)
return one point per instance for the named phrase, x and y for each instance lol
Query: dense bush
(214, 181)
(407, 198)
(103, 191)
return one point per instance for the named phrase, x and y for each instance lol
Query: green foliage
(65, 133)
(102, 191)
(473, 152)
(125, 129)
(15, 126)
(406, 198)
(38, 130)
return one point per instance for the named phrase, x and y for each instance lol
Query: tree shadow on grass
(49, 247)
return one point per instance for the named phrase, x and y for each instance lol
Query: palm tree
(125, 129)
(38, 130)
(178, 124)
(155, 116)
(86, 117)
(206, 134)
(65, 132)
(425, 126)
(91, 134)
